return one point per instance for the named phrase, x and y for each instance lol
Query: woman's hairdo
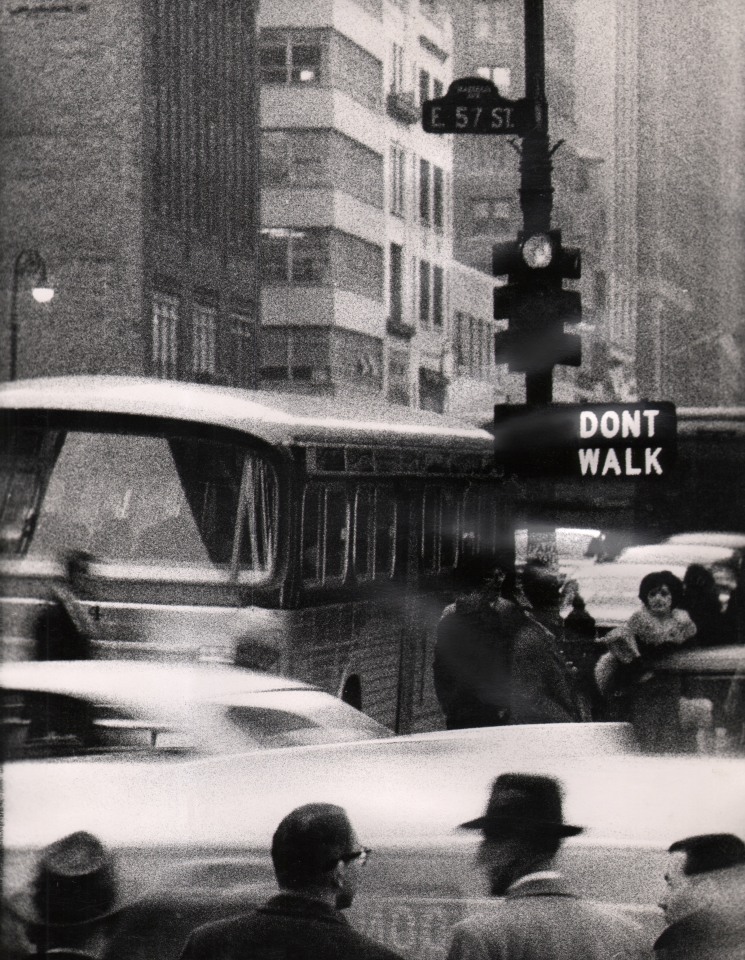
(662, 578)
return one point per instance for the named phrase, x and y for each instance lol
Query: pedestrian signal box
(593, 441)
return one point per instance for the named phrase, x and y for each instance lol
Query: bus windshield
(148, 500)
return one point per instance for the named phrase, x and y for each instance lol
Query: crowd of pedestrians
(504, 654)
(74, 908)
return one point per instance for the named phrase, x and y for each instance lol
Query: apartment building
(356, 199)
(128, 143)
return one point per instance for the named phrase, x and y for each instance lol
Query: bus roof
(278, 418)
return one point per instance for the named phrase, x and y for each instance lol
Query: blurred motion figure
(473, 649)
(71, 909)
(536, 917)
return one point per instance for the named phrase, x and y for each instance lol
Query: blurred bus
(308, 535)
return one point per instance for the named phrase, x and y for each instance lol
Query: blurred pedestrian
(71, 908)
(701, 601)
(544, 686)
(61, 631)
(318, 863)
(626, 673)
(705, 901)
(474, 647)
(536, 916)
(580, 647)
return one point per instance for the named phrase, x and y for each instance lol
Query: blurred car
(194, 838)
(710, 538)
(128, 710)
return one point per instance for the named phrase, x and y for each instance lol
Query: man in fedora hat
(70, 908)
(318, 861)
(537, 917)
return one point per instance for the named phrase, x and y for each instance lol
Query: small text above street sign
(594, 441)
(474, 105)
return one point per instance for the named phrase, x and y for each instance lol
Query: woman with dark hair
(657, 628)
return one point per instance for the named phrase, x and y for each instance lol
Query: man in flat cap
(705, 901)
(70, 910)
(318, 863)
(536, 917)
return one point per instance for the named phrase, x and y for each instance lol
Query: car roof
(141, 681)
(711, 538)
(278, 418)
(680, 553)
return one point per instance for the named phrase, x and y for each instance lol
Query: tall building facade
(129, 150)
(356, 199)
(691, 201)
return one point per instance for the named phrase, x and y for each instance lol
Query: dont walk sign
(593, 441)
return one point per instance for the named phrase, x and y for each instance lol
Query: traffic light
(535, 303)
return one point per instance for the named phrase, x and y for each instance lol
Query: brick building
(128, 144)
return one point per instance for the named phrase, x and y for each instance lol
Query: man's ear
(338, 873)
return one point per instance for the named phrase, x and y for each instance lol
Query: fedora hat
(75, 884)
(522, 803)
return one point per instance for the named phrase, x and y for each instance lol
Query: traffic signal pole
(536, 191)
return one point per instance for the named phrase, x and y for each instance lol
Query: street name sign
(606, 441)
(474, 105)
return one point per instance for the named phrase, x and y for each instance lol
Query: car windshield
(143, 499)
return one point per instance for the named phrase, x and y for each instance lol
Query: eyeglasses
(362, 854)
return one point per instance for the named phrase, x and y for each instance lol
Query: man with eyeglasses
(318, 863)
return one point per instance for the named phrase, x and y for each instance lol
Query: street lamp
(30, 265)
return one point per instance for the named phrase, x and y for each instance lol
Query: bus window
(479, 530)
(364, 515)
(151, 500)
(431, 503)
(325, 532)
(257, 532)
(385, 533)
(439, 528)
(337, 532)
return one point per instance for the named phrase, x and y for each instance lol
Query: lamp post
(28, 264)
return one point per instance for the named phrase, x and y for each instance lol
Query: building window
(165, 317)
(423, 86)
(438, 89)
(499, 76)
(204, 337)
(424, 297)
(243, 348)
(488, 212)
(398, 179)
(438, 198)
(474, 346)
(397, 68)
(290, 62)
(437, 296)
(398, 377)
(431, 295)
(295, 354)
(396, 283)
(294, 256)
(424, 191)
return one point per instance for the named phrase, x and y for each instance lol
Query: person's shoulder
(365, 948)
(225, 931)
